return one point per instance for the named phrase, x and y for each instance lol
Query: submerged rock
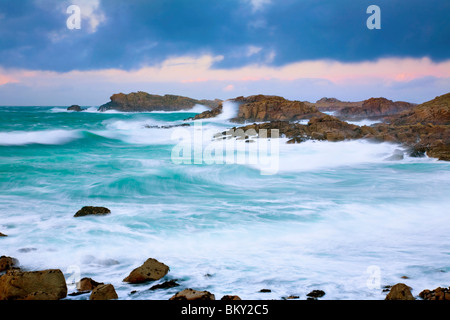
(104, 292)
(36, 285)
(400, 291)
(165, 285)
(192, 295)
(75, 108)
(151, 270)
(96, 211)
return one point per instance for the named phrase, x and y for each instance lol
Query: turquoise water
(330, 215)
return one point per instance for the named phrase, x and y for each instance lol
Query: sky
(206, 49)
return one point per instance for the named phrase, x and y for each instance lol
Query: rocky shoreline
(16, 284)
(423, 129)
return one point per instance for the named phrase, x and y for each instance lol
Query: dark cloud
(33, 34)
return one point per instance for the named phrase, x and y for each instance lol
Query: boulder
(35, 285)
(2, 235)
(7, 263)
(87, 284)
(151, 270)
(104, 292)
(315, 294)
(400, 291)
(96, 211)
(192, 295)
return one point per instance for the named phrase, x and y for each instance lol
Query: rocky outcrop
(324, 127)
(75, 108)
(2, 235)
(142, 101)
(333, 104)
(151, 270)
(436, 112)
(104, 292)
(265, 108)
(272, 108)
(374, 108)
(7, 263)
(92, 211)
(436, 294)
(192, 295)
(37, 285)
(400, 291)
(424, 130)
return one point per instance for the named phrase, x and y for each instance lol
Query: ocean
(342, 217)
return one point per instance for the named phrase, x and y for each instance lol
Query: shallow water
(333, 216)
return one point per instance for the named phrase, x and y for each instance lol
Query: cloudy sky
(300, 49)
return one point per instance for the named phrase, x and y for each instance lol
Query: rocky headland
(145, 102)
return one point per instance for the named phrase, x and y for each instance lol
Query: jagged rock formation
(272, 108)
(142, 101)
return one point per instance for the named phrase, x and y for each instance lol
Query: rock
(396, 156)
(435, 112)
(87, 284)
(97, 211)
(104, 292)
(374, 108)
(75, 108)
(142, 101)
(400, 291)
(26, 250)
(167, 127)
(2, 235)
(191, 295)
(165, 285)
(230, 298)
(333, 104)
(272, 108)
(151, 270)
(436, 294)
(36, 285)
(208, 114)
(313, 295)
(7, 263)
(265, 290)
